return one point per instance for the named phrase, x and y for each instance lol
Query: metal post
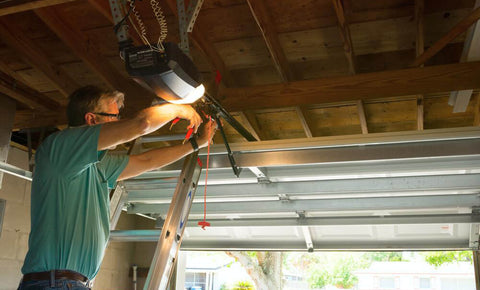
(174, 226)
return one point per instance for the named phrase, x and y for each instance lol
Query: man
(73, 175)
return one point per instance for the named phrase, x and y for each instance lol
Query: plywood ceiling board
(314, 44)
(82, 73)
(380, 14)
(280, 125)
(336, 65)
(256, 76)
(244, 53)
(438, 24)
(389, 60)
(438, 114)
(56, 51)
(391, 116)
(31, 26)
(228, 23)
(290, 16)
(360, 5)
(12, 59)
(83, 15)
(37, 80)
(341, 120)
(446, 5)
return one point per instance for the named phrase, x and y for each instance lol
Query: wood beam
(200, 40)
(301, 116)
(249, 125)
(420, 48)
(15, 38)
(26, 95)
(458, 29)
(35, 119)
(362, 116)
(476, 120)
(16, 6)
(345, 34)
(420, 113)
(86, 50)
(419, 12)
(412, 81)
(267, 28)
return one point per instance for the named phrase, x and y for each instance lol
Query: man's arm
(147, 121)
(157, 158)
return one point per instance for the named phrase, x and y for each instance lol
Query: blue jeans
(59, 285)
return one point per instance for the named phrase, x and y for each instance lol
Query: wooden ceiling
(290, 68)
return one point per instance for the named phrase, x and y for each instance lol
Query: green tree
(384, 256)
(265, 268)
(444, 257)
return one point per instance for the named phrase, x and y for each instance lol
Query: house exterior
(416, 275)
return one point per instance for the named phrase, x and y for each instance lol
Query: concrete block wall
(16, 222)
(118, 258)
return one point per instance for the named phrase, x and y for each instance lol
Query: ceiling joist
(16, 6)
(412, 81)
(345, 34)
(267, 28)
(26, 95)
(87, 51)
(14, 37)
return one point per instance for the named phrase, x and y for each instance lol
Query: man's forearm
(147, 121)
(155, 159)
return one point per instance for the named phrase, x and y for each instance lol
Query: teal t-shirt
(70, 202)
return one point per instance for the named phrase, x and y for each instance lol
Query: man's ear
(90, 119)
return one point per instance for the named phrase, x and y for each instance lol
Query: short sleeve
(112, 166)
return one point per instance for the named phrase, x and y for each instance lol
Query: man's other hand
(188, 113)
(207, 133)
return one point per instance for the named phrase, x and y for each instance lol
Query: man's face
(110, 108)
(108, 113)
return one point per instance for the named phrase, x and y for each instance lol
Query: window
(424, 283)
(195, 281)
(387, 283)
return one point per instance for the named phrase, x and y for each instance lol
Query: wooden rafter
(476, 120)
(412, 81)
(458, 29)
(362, 116)
(420, 48)
(420, 113)
(87, 51)
(26, 95)
(250, 125)
(12, 35)
(303, 120)
(16, 6)
(269, 33)
(35, 119)
(345, 34)
(200, 40)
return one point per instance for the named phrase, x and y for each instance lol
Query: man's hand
(207, 133)
(188, 113)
